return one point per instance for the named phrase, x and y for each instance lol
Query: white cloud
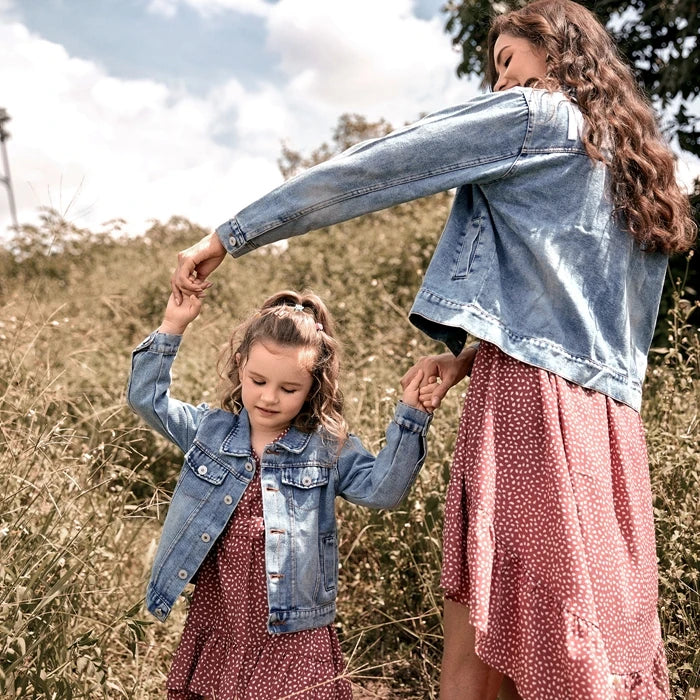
(372, 58)
(96, 147)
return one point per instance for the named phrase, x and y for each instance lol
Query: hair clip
(298, 307)
(319, 327)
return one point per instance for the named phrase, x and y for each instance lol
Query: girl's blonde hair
(582, 60)
(291, 319)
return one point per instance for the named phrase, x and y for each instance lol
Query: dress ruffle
(519, 617)
(552, 632)
(308, 667)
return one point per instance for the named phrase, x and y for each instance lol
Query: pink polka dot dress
(549, 537)
(226, 652)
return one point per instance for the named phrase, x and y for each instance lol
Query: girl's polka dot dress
(226, 652)
(549, 537)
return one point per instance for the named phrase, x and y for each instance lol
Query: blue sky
(143, 109)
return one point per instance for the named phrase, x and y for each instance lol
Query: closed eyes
(261, 382)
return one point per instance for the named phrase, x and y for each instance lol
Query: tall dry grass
(84, 486)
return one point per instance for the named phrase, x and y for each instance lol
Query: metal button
(182, 574)
(228, 500)
(159, 613)
(306, 481)
(232, 240)
(249, 467)
(206, 537)
(202, 469)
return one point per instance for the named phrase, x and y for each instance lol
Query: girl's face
(518, 62)
(275, 381)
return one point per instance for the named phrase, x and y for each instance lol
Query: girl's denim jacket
(301, 475)
(532, 257)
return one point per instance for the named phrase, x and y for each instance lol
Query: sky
(146, 109)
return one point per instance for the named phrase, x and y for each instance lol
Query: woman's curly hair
(280, 320)
(621, 128)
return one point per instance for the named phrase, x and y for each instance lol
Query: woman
(554, 256)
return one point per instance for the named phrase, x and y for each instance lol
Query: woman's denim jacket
(301, 475)
(531, 257)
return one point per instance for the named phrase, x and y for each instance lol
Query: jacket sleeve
(383, 481)
(477, 142)
(148, 391)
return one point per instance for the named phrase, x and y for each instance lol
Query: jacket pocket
(468, 249)
(329, 561)
(200, 474)
(304, 485)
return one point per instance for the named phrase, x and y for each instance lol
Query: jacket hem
(538, 352)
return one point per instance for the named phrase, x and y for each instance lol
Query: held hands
(438, 374)
(178, 316)
(411, 392)
(194, 265)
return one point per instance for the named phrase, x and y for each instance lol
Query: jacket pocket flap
(204, 467)
(305, 477)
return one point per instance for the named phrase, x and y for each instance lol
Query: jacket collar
(237, 442)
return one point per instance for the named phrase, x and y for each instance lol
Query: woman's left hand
(446, 367)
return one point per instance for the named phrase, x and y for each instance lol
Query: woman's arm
(477, 142)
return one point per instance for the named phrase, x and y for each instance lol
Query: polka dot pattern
(549, 536)
(226, 652)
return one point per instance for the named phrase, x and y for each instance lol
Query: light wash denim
(301, 475)
(531, 257)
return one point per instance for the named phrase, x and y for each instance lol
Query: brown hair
(293, 320)
(621, 129)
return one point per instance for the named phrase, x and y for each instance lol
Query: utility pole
(5, 179)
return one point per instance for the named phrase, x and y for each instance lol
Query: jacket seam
(255, 232)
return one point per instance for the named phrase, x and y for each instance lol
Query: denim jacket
(531, 257)
(301, 475)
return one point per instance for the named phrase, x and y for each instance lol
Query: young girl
(252, 516)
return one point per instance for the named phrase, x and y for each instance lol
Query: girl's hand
(412, 393)
(178, 317)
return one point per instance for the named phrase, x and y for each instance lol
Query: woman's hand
(194, 265)
(439, 374)
(178, 316)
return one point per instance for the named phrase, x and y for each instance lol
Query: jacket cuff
(412, 419)
(232, 238)
(162, 343)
